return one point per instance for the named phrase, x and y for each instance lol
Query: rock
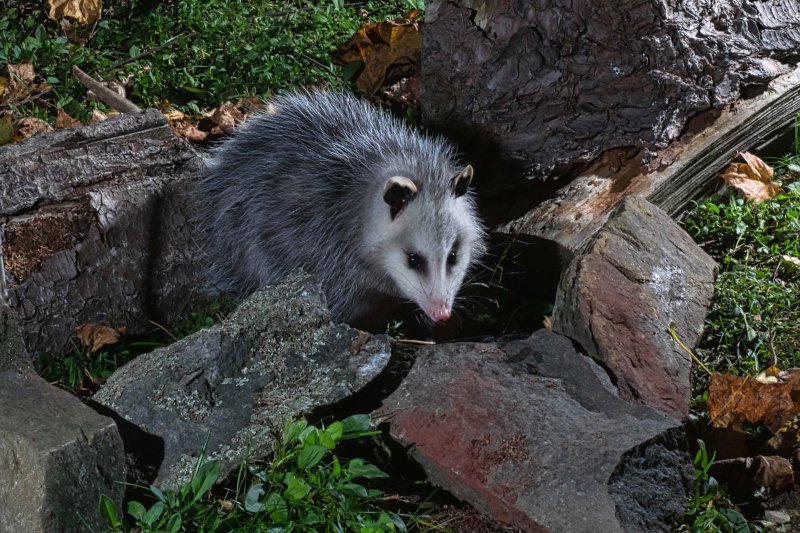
(276, 357)
(57, 457)
(97, 228)
(12, 347)
(528, 433)
(554, 83)
(640, 273)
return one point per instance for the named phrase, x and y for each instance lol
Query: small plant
(305, 488)
(708, 508)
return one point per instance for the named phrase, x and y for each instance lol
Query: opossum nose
(440, 313)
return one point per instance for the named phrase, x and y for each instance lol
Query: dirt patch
(29, 240)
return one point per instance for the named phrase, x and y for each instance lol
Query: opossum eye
(452, 258)
(415, 261)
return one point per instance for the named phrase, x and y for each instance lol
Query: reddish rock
(640, 273)
(532, 433)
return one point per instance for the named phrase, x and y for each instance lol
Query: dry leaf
(30, 126)
(226, 505)
(359, 341)
(547, 322)
(6, 128)
(95, 337)
(63, 120)
(221, 120)
(753, 178)
(97, 116)
(22, 83)
(82, 11)
(388, 51)
(735, 402)
(188, 131)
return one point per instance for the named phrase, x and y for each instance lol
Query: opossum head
(429, 235)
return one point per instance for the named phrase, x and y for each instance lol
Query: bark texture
(555, 82)
(97, 228)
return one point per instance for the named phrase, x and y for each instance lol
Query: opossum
(325, 182)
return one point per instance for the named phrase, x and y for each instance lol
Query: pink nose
(440, 314)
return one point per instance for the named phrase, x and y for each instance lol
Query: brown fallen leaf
(63, 120)
(81, 11)
(22, 83)
(94, 337)
(97, 116)
(745, 475)
(6, 128)
(387, 50)
(30, 126)
(753, 178)
(359, 341)
(735, 402)
(221, 120)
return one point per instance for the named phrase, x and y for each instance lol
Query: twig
(685, 349)
(104, 94)
(414, 341)
(149, 51)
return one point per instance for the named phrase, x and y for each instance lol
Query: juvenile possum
(326, 182)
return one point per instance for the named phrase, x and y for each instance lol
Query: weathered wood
(558, 82)
(97, 228)
(686, 170)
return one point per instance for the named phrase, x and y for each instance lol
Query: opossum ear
(397, 192)
(460, 182)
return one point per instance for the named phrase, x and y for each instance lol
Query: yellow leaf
(382, 48)
(82, 11)
(753, 178)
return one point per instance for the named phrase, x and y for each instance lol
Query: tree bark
(97, 228)
(557, 82)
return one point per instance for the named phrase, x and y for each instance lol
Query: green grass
(304, 488)
(753, 320)
(192, 54)
(708, 508)
(82, 372)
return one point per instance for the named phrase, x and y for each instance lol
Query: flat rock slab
(57, 456)
(640, 273)
(277, 356)
(532, 433)
(96, 227)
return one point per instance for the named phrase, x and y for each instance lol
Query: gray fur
(303, 186)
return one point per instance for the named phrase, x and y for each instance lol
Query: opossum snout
(439, 313)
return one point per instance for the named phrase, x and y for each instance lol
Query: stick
(104, 94)
(151, 51)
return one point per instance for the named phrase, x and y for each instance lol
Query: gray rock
(57, 457)
(276, 357)
(640, 273)
(528, 433)
(96, 228)
(12, 347)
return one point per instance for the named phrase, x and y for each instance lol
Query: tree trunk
(557, 82)
(97, 228)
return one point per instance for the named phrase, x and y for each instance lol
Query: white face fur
(428, 243)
